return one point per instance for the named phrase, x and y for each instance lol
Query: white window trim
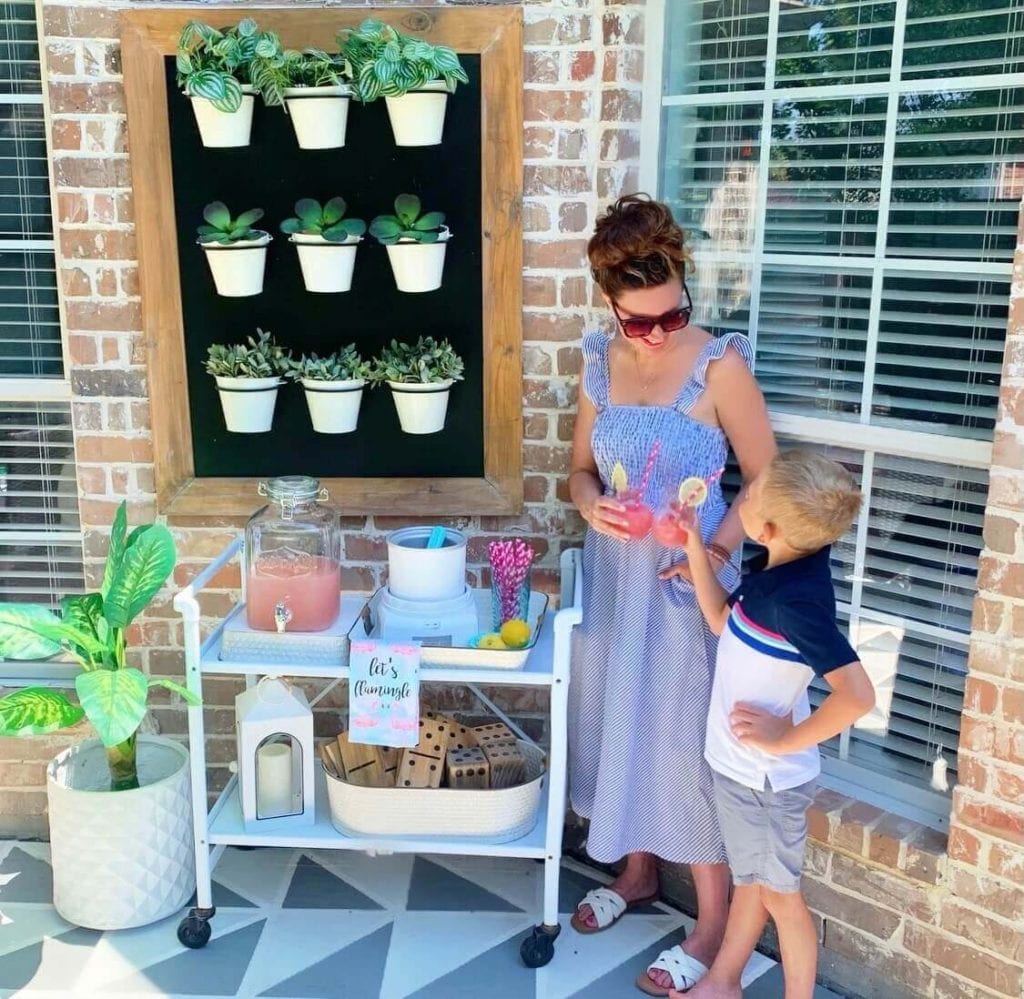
(841, 774)
(53, 673)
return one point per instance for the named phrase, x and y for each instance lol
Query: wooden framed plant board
(473, 466)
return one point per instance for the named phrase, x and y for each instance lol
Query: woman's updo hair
(636, 244)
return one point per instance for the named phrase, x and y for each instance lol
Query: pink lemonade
(669, 529)
(308, 585)
(638, 514)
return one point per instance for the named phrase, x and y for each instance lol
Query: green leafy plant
(286, 68)
(327, 221)
(383, 62)
(223, 229)
(408, 223)
(341, 366)
(90, 629)
(215, 63)
(260, 357)
(423, 362)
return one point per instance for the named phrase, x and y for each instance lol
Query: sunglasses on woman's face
(637, 327)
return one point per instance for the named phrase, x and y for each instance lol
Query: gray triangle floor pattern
(295, 924)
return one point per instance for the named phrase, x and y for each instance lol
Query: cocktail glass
(639, 516)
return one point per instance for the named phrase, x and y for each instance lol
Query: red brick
(536, 361)
(620, 105)
(893, 891)
(116, 448)
(535, 426)
(536, 489)
(103, 212)
(948, 986)
(538, 458)
(539, 142)
(568, 29)
(104, 315)
(1013, 705)
(964, 846)
(129, 277)
(556, 105)
(886, 840)
(82, 22)
(620, 144)
(904, 975)
(102, 511)
(988, 817)
(615, 181)
(623, 66)
(125, 207)
(566, 426)
(536, 217)
(850, 909)
(551, 326)
(622, 29)
(1002, 534)
(982, 929)
(550, 180)
(1007, 862)
(996, 659)
(541, 66)
(854, 823)
(66, 134)
(87, 98)
(22, 803)
(357, 579)
(962, 958)
(573, 292)
(98, 244)
(92, 480)
(539, 291)
(976, 734)
(582, 65)
(573, 216)
(201, 543)
(980, 696)
(570, 361)
(1006, 491)
(1007, 450)
(72, 208)
(572, 144)
(365, 548)
(988, 615)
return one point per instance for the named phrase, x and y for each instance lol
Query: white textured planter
(417, 118)
(248, 403)
(326, 267)
(334, 406)
(421, 408)
(238, 268)
(319, 115)
(120, 858)
(221, 129)
(418, 266)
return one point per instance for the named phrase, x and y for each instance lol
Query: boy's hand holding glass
(754, 726)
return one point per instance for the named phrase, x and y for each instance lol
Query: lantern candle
(274, 780)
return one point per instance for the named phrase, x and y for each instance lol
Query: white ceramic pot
(248, 403)
(319, 115)
(418, 266)
(421, 408)
(220, 129)
(238, 268)
(334, 406)
(326, 267)
(120, 858)
(416, 572)
(417, 118)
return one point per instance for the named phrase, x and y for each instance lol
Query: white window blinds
(40, 534)
(850, 173)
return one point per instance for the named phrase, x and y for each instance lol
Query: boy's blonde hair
(810, 498)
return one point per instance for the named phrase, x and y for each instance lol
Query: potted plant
(236, 253)
(420, 376)
(312, 88)
(120, 805)
(334, 388)
(213, 71)
(415, 242)
(326, 242)
(248, 376)
(413, 76)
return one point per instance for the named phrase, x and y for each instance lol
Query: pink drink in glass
(670, 527)
(638, 514)
(308, 585)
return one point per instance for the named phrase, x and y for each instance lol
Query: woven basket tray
(500, 816)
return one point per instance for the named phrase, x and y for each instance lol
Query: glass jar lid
(290, 490)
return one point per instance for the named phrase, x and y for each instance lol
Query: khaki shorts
(765, 832)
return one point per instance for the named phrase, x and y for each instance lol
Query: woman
(642, 661)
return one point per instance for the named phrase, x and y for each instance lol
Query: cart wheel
(194, 932)
(538, 948)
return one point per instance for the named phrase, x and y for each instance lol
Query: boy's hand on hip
(757, 727)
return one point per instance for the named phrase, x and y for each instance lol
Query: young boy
(778, 631)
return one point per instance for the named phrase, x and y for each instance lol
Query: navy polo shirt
(781, 633)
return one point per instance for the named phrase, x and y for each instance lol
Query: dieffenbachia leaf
(183, 692)
(114, 701)
(36, 711)
(115, 552)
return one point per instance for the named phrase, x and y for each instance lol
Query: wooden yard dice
(462, 738)
(361, 764)
(468, 768)
(496, 734)
(507, 765)
(423, 765)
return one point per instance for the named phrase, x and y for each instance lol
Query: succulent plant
(222, 228)
(421, 362)
(272, 75)
(383, 62)
(341, 366)
(215, 62)
(327, 221)
(407, 223)
(260, 357)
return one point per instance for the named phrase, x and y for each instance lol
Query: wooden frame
(148, 36)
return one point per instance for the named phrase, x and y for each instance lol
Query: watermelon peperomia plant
(91, 630)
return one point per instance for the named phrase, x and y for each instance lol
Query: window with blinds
(850, 174)
(40, 534)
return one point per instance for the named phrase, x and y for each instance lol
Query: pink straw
(649, 467)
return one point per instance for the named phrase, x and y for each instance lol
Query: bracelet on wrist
(720, 554)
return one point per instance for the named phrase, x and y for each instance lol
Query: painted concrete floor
(297, 924)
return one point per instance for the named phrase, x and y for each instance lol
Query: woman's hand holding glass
(607, 515)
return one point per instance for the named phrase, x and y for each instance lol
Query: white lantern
(274, 732)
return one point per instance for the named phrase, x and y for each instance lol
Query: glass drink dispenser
(293, 558)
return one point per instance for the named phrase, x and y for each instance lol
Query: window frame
(44, 389)
(842, 774)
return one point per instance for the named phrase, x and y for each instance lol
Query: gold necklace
(644, 385)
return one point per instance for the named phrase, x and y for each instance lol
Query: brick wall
(887, 893)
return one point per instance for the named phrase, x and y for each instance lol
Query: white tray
(365, 626)
(500, 815)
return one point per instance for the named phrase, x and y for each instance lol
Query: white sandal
(608, 908)
(685, 969)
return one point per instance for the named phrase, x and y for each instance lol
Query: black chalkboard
(273, 173)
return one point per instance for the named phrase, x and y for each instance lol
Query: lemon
(620, 481)
(693, 491)
(491, 641)
(515, 633)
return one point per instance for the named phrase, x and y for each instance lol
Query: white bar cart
(222, 826)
